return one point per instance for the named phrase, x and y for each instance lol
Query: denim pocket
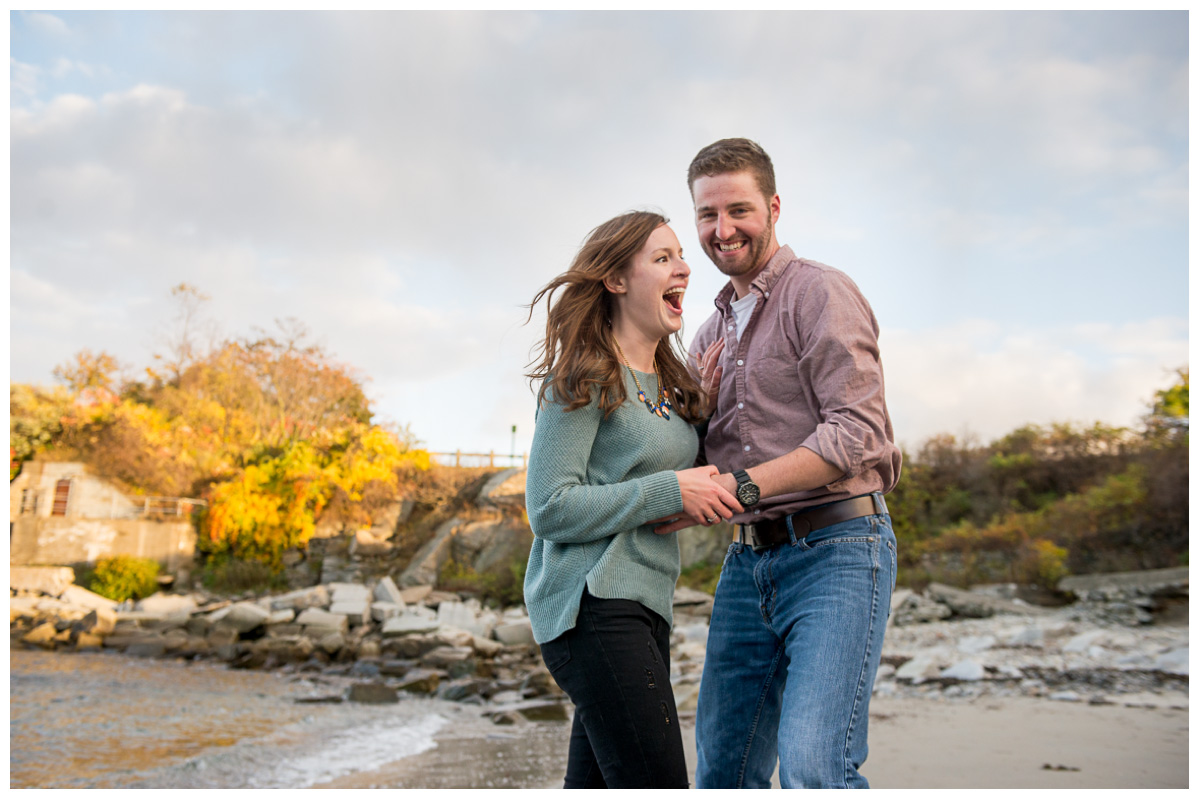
(556, 653)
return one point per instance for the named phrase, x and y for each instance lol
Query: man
(802, 436)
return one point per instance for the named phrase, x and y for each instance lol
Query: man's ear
(615, 283)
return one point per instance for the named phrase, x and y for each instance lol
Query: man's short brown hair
(735, 155)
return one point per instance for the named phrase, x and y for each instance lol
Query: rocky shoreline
(1124, 639)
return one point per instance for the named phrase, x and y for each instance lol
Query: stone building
(60, 513)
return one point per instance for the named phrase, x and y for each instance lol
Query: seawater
(99, 720)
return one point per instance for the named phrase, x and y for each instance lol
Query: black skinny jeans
(615, 665)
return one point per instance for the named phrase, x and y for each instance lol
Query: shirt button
(756, 511)
(740, 362)
(747, 448)
(729, 328)
(766, 294)
(741, 404)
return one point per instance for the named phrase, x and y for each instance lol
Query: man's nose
(725, 227)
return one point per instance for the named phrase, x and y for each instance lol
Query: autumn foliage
(266, 430)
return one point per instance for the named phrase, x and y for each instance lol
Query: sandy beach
(984, 743)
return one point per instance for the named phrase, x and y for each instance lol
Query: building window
(62, 493)
(29, 501)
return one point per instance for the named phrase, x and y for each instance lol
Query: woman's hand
(704, 501)
(710, 374)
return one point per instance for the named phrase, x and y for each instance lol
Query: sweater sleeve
(562, 504)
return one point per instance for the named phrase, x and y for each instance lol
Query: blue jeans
(793, 647)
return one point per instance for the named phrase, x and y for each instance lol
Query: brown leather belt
(771, 532)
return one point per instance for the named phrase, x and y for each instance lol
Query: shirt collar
(765, 280)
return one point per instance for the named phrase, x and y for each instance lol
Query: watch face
(747, 494)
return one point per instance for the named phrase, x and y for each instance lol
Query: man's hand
(705, 500)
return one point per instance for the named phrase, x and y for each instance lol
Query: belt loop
(880, 506)
(791, 530)
(741, 535)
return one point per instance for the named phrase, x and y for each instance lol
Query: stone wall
(64, 540)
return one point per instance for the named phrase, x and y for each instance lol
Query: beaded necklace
(663, 407)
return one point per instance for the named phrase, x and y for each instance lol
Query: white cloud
(983, 377)
(46, 23)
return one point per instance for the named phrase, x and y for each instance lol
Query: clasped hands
(705, 500)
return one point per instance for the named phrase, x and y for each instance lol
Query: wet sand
(986, 743)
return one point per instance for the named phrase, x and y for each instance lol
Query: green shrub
(701, 577)
(224, 574)
(123, 577)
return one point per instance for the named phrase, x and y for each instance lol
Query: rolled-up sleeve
(840, 361)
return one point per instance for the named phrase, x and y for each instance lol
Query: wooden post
(458, 458)
(491, 458)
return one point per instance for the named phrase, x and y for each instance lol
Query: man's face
(735, 223)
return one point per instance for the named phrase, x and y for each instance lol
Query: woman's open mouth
(674, 299)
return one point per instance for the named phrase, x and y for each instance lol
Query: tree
(87, 370)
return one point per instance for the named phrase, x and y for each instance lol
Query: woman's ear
(615, 283)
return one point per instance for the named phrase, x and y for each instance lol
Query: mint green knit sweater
(591, 486)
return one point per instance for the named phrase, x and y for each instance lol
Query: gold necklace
(663, 407)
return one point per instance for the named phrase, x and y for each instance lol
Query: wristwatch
(747, 490)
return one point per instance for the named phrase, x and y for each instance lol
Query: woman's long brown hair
(578, 357)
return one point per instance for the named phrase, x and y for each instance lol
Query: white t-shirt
(742, 310)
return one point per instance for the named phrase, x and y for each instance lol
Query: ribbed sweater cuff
(662, 494)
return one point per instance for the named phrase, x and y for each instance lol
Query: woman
(610, 457)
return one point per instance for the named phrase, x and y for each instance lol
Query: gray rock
(79, 596)
(513, 633)
(281, 616)
(147, 649)
(914, 609)
(975, 644)
(1174, 661)
(43, 580)
(386, 591)
(163, 604)
(349, 593)
(972, 605)
(332, 642)
(316, 618)
(425, 566)
(381, 610)
(374, 692)
(965, 670)
(244, 617)
(315, 597)
(420, 681)
(490, 495)
(919, 669)
(1123, 584)
(356, 612)
(544, 712)
(415, 594)
(456, 661)
(407, 624)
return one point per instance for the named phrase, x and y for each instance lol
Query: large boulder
(974, 604)
(427, 563)
(79, 596)
(43, 580)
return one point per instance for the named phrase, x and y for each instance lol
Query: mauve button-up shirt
(805, 373)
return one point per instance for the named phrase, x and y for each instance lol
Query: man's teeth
(725, 248)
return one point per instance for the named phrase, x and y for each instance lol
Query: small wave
(356, 749)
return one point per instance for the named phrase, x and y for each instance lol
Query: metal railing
(491, 459)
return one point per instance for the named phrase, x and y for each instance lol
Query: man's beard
(752, 253)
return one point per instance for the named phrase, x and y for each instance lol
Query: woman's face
(649, 292)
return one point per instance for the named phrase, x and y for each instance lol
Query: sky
(1008, 189)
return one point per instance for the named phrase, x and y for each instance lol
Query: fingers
(671, 527)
